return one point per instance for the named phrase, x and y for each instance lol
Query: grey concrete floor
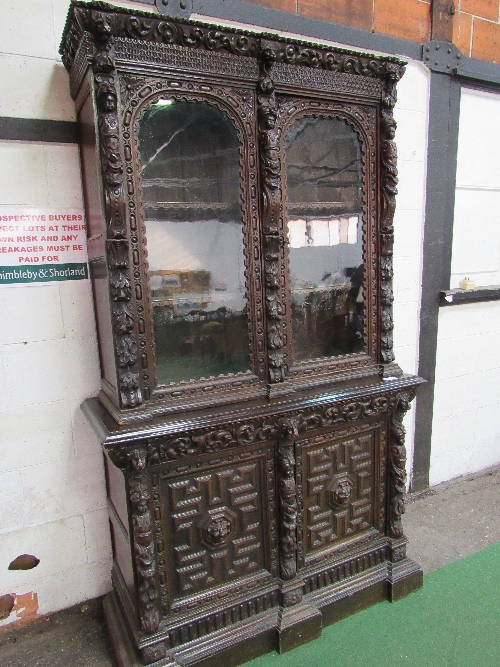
(444, 524)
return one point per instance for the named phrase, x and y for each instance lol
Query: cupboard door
(339, 481)
(218, 525)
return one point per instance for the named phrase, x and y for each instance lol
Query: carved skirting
(344, 570)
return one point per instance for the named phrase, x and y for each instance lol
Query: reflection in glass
(191, 184)
(325, 202)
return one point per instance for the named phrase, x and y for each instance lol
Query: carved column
(270, 171)
(294, 612)
(397, 464)
(112, 170)
(389, 181)
(287, 499)
(404, 576)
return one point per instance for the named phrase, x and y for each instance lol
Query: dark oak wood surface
(249, 508)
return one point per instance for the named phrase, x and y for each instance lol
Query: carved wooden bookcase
(240, 193)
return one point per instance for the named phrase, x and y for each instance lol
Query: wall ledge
(456, 297)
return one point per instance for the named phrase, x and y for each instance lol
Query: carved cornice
(149, 27)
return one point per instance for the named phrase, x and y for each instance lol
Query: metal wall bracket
(175, 8)
(441, 57)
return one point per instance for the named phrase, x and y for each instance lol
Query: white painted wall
(476, 223)
(412, 114)
(466, 423)
(52, 496)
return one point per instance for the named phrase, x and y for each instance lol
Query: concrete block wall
(52, 497)
(466, 423)
(412, 114)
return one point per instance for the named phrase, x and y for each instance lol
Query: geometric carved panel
(215, 526)
(338, 489)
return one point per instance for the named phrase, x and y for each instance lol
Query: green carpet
(454, 621)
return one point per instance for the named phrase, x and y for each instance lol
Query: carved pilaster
(389, 181)
(143, 541)
(288, 499)
(270, 170)
(120, 285)
(397, 464)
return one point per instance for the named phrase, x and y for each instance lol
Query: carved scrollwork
(144, 555)
(172, 32)
(164, 449)
(397, 464)
(338, 61)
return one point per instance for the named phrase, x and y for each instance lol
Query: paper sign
(42, 245)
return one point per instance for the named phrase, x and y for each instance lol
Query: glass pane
(325, 202)
(190, 158)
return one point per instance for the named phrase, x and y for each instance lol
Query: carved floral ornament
(158, 450)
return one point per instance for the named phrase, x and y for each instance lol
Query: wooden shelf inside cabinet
(251, 410)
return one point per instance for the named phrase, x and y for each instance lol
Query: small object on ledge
(467, 284)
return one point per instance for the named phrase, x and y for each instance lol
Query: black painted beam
(33, 129)
(444, 109)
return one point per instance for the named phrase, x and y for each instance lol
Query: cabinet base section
(278, 629)
(405, 577)
(298, 625)
(230, 647)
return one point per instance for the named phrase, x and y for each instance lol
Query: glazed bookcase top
(134, 61)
